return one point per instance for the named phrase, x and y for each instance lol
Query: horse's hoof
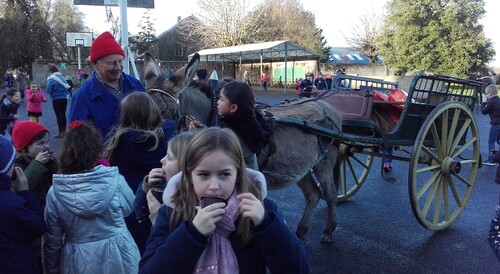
(326, 239)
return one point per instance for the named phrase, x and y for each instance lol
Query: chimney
(178, 19)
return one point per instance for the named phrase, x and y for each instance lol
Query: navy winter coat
(21, 222)
(134, 160)
(272, 245)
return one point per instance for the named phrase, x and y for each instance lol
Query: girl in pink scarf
(243, 233)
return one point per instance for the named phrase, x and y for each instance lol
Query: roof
(349, 56)
(271, 51)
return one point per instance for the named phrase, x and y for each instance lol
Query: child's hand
(153, 203)
(251, 207)
(155, 177)
(207, 217)
(45, 156)
(21, 182)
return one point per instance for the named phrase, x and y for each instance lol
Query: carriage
(436, 134)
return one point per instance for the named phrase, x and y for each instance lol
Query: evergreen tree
(442, 37)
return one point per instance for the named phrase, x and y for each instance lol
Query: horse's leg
(312, 196)
(325, 174)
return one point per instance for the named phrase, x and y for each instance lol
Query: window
(179, 50)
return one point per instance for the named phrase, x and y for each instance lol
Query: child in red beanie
(21, 220)
(31, 141)
(34, 156)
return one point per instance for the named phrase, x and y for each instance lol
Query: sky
(336, 20)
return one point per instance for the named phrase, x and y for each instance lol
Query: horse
(307, 159)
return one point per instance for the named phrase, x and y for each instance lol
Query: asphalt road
(377, 231)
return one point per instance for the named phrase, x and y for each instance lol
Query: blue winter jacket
(55, 89)
(272, 245)
(94, 102)
(21, 222)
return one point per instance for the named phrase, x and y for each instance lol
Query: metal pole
(123, 17)
(79, 58)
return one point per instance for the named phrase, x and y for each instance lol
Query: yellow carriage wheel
(444, 164)
(355, 164)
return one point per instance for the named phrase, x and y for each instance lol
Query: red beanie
(23, 133)
(104, 45)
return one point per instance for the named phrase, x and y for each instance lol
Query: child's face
(16, 98)
(34, 87)
(38, 146)
(169, 165)
(215, 175)
(224, 106)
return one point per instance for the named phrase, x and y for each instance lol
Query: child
(31, 141)
(247, 235)
(35, 98)
(9, 103)
(236, 106)
(21, 220)
(137, 146)
(492, 107)
(34, 156)
(146, 204)
(85, 210)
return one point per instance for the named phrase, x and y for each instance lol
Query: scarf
(54, 77)
(218, 257)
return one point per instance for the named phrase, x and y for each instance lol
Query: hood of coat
(255, 176)
(87, 194)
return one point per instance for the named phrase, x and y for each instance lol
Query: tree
(287, 20)
(435, 36)
(23, 33)
(362, 37)
(63, 17)
(224, 23)
(144, 40)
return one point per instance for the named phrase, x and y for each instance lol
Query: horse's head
(166, 92)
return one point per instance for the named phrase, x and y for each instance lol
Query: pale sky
(336, 18)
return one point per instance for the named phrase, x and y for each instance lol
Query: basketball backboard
(75, 39)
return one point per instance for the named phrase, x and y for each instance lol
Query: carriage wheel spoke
(465, 181)
(431, 154)
(444, 132)
(430, 196)
(351, 168)
(464, 147)
(437, 141)
(452, 129)
(360, 162)
(454, 192)
(460, 134)
(437, 206)
(427, 184)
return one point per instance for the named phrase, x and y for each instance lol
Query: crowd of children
(93, 206)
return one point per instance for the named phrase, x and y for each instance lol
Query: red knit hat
(104, 45)
(23, 133)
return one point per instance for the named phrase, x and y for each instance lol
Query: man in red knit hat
(98, 99)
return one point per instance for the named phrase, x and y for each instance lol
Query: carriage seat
(352, 104)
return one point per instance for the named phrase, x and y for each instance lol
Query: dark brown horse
(301, 157)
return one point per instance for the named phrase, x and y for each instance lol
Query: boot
(490, 162)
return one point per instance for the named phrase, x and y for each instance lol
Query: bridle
(164, 93)
(174, 113)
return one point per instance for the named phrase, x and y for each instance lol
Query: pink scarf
(219, 255)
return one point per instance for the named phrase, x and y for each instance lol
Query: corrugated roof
(349, 56)
(270, 51)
